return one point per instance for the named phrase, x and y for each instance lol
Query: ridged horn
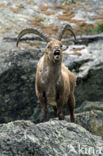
(63, 29)
(34, 31)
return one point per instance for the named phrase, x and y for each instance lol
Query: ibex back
(54, 83)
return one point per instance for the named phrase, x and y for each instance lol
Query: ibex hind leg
(55, 111)
(43, 103)
(71, 105)
(60, 113)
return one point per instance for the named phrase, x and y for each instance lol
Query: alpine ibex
(54, 83)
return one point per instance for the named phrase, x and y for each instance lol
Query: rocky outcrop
(90, 116)
(52, 138)
(18, 65)
(17, 72)
(17, 81)
(89, 68)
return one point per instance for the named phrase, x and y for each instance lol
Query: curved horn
(34, 31)
(64, 28)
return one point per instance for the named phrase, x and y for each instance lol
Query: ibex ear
(64, 47)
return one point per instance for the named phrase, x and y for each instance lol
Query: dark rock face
(90, 116)
(17, 94)
(90, 87)
(88, 68)
(17, 85)
(17, 82)
(18, 67)
(52, 138)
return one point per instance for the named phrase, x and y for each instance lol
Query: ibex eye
(49, 47)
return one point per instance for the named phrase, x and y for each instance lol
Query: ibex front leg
(71, 105)
(60, 108)
(43, 103)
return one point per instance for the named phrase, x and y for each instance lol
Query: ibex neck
(54, 68)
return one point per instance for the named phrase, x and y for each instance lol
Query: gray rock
(17, 65)
(91, 119)
(50, 138)
(88, 68)
(17, 87)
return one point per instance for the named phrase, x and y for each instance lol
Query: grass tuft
(97, 29)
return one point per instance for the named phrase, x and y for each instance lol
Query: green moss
(91, 30)
(97, 29)
(7, 127)
(66, 2)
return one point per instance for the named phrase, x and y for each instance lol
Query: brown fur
(54, 83)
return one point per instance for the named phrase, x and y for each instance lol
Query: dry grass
(100, 16)
(14, 10)
(87, 3)
(93, 9)
(2, 31)
(77, 6)
(67, 15)
(3, 5)
(10, 27)
(50, 30)
(44, 8)
(48, 12)
(78, 49)
(98, 22)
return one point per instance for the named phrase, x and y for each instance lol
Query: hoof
(72, 119)
(61, 117)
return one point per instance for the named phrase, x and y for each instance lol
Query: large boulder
(89, 71)
(90, 116)
(18, 65)
(89, 90)
(50, 138)
(17, 83)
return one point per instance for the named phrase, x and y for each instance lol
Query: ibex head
(54, 47)
(54, 50)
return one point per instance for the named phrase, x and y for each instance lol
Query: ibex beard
(54, 83)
